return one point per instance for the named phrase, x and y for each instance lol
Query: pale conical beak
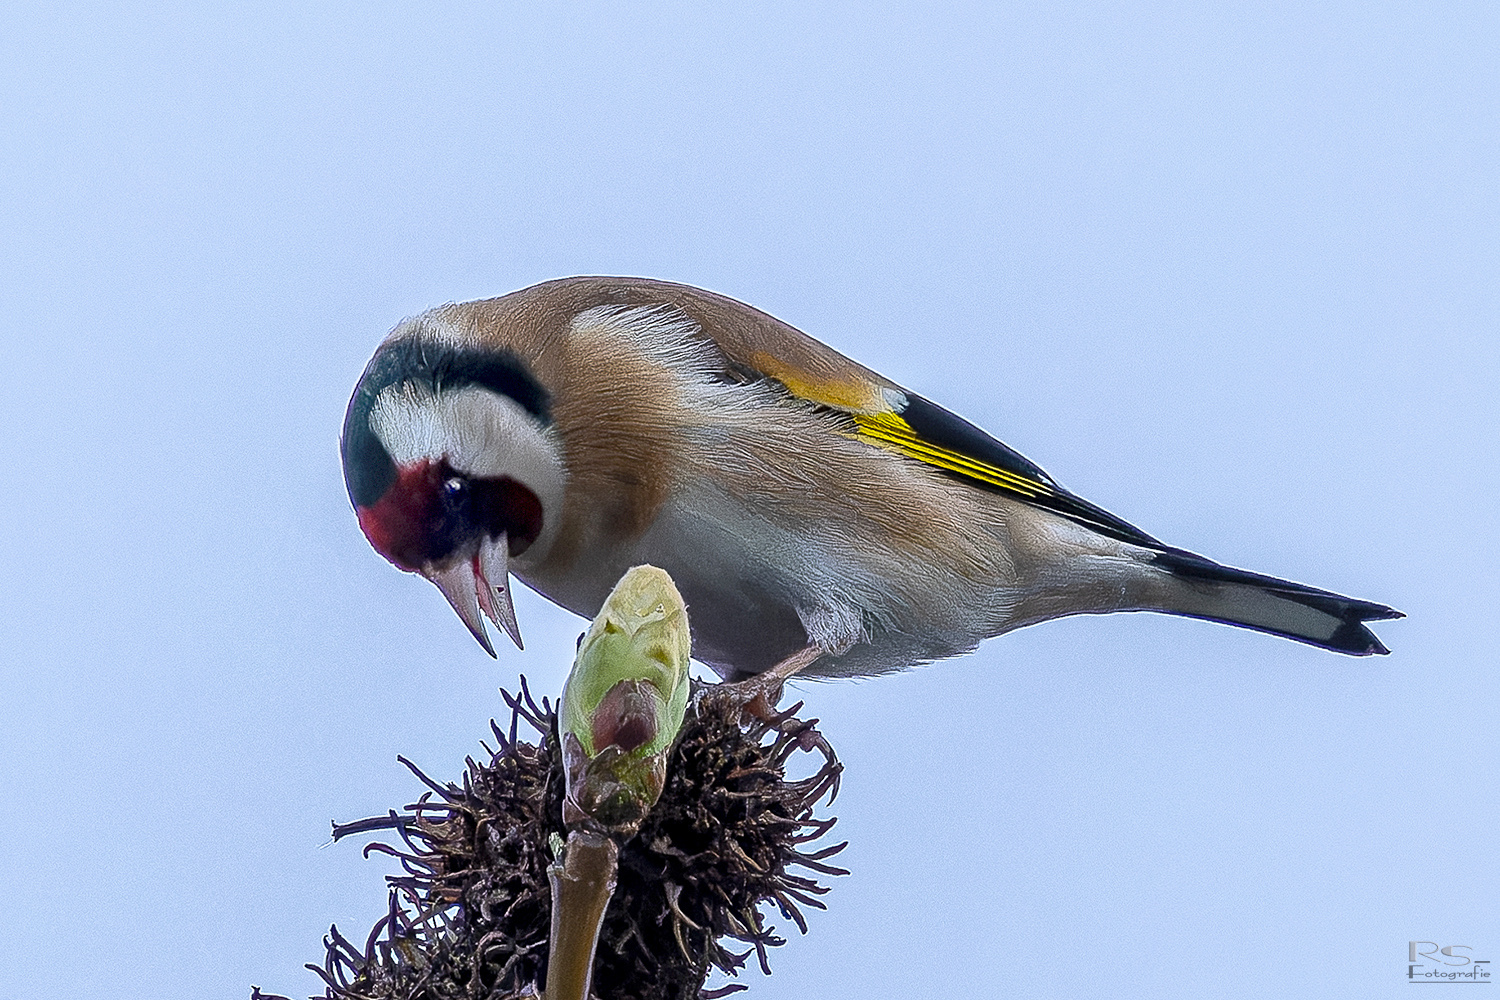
(480, 582)
(494, 586)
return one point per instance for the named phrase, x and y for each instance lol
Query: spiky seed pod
(469, 916)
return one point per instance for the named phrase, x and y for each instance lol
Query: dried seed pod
(470, 913)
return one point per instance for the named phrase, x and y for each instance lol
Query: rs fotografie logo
(1430, 962)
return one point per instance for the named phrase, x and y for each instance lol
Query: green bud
(624, 701)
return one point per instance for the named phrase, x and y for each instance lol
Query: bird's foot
(757, 696)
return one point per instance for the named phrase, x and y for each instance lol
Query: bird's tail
(1205, 589)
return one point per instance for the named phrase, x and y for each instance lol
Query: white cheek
(481, 433)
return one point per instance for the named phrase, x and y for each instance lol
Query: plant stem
(582, 885)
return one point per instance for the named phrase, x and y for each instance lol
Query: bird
(815, 515)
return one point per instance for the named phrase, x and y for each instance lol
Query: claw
(757, 695)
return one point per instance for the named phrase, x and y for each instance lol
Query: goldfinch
(808, 509)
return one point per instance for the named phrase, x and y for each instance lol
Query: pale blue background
(1231, 274)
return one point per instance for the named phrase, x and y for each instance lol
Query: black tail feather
(1343, 631)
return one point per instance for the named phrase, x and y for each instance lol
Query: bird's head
(453, 467)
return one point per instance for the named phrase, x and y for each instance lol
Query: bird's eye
(455, 487)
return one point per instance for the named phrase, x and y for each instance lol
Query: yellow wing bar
(891, 431)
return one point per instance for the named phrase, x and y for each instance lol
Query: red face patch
(430, 512)
(401, 524)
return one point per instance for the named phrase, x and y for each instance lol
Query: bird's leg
(757, 696)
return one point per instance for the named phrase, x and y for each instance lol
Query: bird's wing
(885, 415)
(919, 429)
(922, 430)
(757, 345)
